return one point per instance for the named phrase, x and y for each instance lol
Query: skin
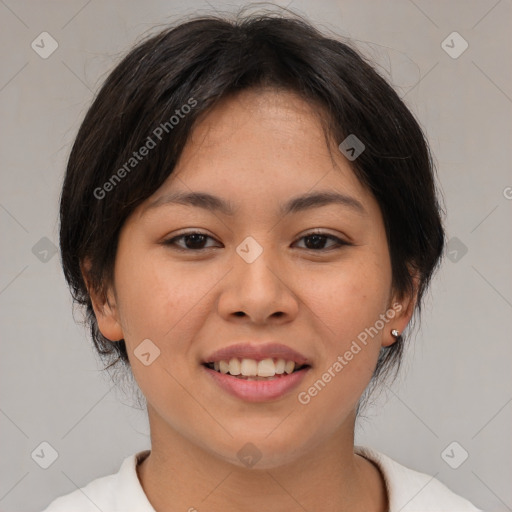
(258, 150)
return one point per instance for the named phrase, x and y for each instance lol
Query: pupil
(318, 239)
(197, 240)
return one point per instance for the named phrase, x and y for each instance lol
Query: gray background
(456, 382)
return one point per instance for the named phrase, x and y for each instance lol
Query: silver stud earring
(394, 333)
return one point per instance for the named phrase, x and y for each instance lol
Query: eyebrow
(297, 204)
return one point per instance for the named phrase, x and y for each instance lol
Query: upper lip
(258, 352)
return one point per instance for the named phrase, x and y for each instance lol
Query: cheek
(161, 301)
(348, 306)
(352, 299)
(163, 304)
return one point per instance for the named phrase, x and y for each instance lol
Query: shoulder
(411, 491)
(97, 494)
(117, 492)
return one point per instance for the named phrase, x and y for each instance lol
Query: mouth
(254, 370)
(257, 373)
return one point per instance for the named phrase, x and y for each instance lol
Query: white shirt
(408, 490)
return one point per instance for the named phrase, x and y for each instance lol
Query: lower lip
(258, 390)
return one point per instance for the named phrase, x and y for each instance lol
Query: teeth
(280, 366)
(223, 367)
(234, 366)
(252, 368)
(249, 367)
(289, 366)
(266, 368)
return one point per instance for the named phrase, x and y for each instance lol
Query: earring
(395, 333)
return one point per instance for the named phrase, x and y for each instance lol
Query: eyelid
(320, 231)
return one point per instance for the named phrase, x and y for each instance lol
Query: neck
(179, 475)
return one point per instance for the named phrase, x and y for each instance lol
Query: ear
(404, 309)
(105, 307)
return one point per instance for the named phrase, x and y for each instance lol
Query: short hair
(208, 58)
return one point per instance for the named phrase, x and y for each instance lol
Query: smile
(251, 369)
(256, 372)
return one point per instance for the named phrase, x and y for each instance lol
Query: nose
(260, 292)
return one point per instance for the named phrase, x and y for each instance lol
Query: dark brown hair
(201, 61)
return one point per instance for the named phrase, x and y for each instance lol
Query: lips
(257, 373)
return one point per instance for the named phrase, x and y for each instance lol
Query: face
(275, 281)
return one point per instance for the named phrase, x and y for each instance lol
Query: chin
(262, 451)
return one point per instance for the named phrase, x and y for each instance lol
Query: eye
(192, 241)
(316, 241)
(195, 241)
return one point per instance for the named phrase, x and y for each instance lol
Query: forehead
(254, 113)
(260, 147)
(276, 134)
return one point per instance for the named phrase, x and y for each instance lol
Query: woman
(249, 217)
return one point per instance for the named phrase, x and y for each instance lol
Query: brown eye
(316, 241)
(193, 241)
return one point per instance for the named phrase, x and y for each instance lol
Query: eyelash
(338, 242)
